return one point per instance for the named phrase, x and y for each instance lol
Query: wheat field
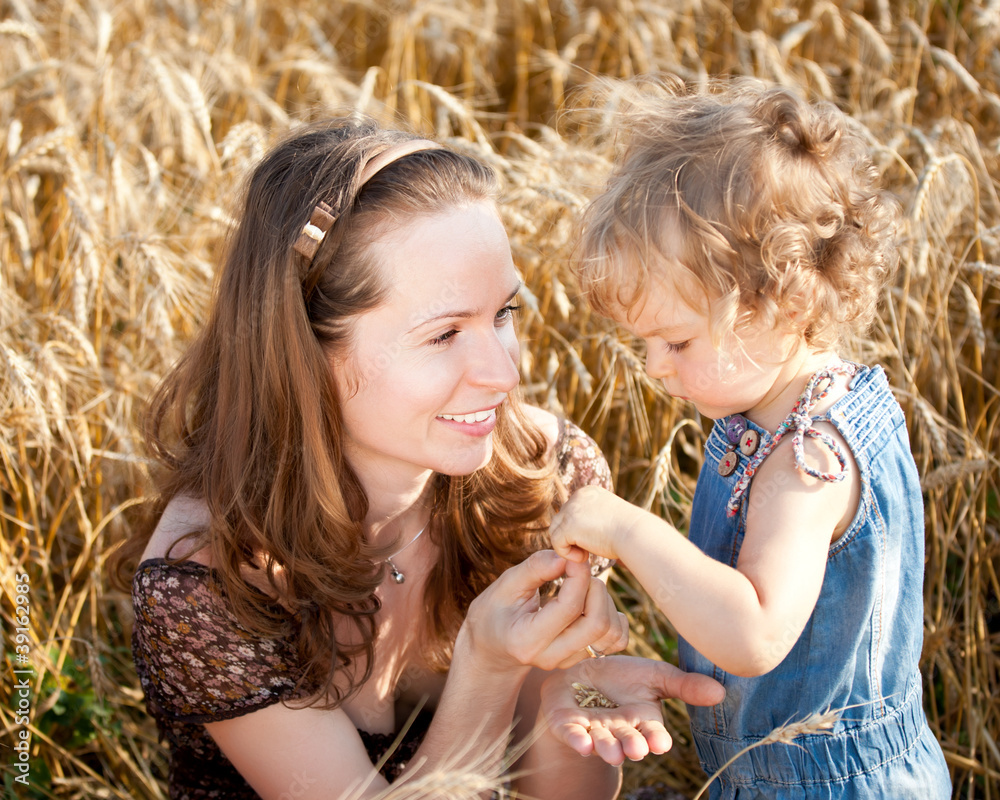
(125, 127)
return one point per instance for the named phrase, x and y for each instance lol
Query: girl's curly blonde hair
(768, 204)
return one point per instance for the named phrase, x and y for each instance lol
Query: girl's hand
(593, 520)
(635, 728)
(508, 627)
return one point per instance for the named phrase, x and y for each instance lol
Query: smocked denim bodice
(860, 649)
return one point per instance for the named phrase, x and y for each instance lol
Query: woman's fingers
(606, 745)
(567, 607)
(634, 728)
(633, 743)
(524, 579)
(544, 635)
(691, 687)
(616, 638)
(555, 634)
(576, 735)
(600, 625)
(614, 739)
(657, 739)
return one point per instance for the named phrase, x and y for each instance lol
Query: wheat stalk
(817, 722)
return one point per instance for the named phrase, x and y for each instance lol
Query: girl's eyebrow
(666, 332)
(462, 313)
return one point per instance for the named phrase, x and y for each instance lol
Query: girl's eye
(507, 312)
(675, 347)
(444, 337)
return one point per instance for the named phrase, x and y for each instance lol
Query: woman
(355, 502)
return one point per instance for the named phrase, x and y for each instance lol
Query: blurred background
(126, 125)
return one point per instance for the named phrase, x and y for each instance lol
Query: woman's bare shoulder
(546, 421)
(183, 516)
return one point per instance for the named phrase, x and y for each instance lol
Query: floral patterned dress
(197, 664)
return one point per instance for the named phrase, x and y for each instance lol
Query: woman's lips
(475, 423)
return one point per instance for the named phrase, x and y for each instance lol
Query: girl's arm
(744, 619)
(314, 753)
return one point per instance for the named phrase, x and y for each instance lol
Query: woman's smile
(476, 423)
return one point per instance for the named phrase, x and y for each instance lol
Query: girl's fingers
(574, 553)
(560, 544)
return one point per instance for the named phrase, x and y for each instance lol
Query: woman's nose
(496, 366)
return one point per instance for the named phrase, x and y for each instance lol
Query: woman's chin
(458, 465)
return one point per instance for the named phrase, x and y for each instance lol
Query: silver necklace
(396, 575)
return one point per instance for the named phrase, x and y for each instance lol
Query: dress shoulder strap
(800, 422)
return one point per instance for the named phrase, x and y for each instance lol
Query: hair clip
(314, 231)
(322, 218)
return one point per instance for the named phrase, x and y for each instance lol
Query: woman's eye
(444, 337)
(506, 312)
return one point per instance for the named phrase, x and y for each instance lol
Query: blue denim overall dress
(860, 648)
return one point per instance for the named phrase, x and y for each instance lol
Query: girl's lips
(478, 423)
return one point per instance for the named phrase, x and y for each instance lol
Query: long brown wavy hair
(249, 419)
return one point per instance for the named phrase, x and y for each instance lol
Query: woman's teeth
(477, 416)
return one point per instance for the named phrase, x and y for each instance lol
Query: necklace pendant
(396, 575)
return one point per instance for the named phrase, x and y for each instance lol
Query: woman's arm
(311, 753)
(506, 631)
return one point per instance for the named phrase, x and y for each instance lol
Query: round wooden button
(749, 442)
(728, 462)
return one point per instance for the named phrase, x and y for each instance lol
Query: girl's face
(427, 369)
(681, 354)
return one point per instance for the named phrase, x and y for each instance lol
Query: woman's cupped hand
(634, 728)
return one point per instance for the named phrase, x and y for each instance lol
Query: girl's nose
(658, 363)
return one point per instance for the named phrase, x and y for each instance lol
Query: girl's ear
(797, 312)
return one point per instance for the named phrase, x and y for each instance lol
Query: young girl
(741, 237)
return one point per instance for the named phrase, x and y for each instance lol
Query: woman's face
(426, 370)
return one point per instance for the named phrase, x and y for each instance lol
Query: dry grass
(124, 127)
